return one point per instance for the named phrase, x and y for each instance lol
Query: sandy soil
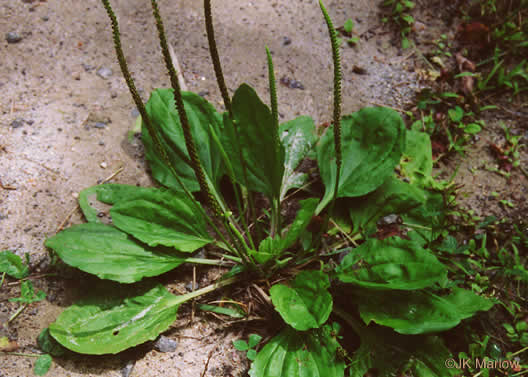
(53, 142)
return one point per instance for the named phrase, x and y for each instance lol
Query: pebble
(17, 123)
(291, 83)
(189, 286)
(164, 344)
(44, 18)
(100, 125)
(76, 75)
(203, 93)
(13, 37)
(286, 41)
(134, 113)
(104, 72)
(101, 143)
(103, 165)
(128, 368)
(389, 219)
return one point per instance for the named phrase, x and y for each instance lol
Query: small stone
(87, 67)
(359, 70)
(13, 37)
(113, 94)
(104, 165)
(165, 344)
(30, 122)
(291, 83)
(104, 72)
(45, 18)
(75, 195)
(101, 143)
(134, 113)
(100, 125)
(17, 123)
(76, 75)
(203, 93)
(389, 219)
(128, 368)
(189, 286)
(286, 41)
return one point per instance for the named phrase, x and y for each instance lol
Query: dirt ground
(65, 114)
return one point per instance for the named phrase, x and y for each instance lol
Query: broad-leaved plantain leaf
(294, 354)
(12, 265)
(251, 139)
(202, 118)
(154, 216)
(109, 253)
(420, 312)
(393, 263)
(372, 142)
(388, 353)
(392, 197)
(112, 323)
(417, 159)
(300, 223)
(307, 304)
(298, 137)
(160, 217)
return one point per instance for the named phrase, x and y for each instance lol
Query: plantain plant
(389, 289)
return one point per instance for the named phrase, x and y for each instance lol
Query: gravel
(165, 344)
(13, 37)
(104, 72)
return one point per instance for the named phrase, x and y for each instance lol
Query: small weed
(249, 346)
(399, 14)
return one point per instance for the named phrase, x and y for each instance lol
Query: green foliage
(391, 264)
(399, 14)
(109, 253)
(373, 139)
(294, 354)
(395, 280)
(116, 321)
(249, 346)
(11, 264)
(42, 365)
(28, 294)
(306, 304)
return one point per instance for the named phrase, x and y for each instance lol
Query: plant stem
(215, 57)
(189, 141)
(209, 262)
(23, 354)
(178, 300)
(351, 321)
(2, 281)
(275, 209)
(144, 116)
(17, 313)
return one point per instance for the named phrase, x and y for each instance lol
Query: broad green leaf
(112, 323)
(108, 253)
(295, 354)
(298, 137)
(420, 312)
(240, 345)
(392, 197)
(390, 264)
(250, 141)
(12, 265)
(426, 220)
(417, 159)
(161, 217)
(300, 223)
(472, 128)
(307, 304)
(42, 365)
(389, 352)
(109, 193)
(372, 142)
(203, 119)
